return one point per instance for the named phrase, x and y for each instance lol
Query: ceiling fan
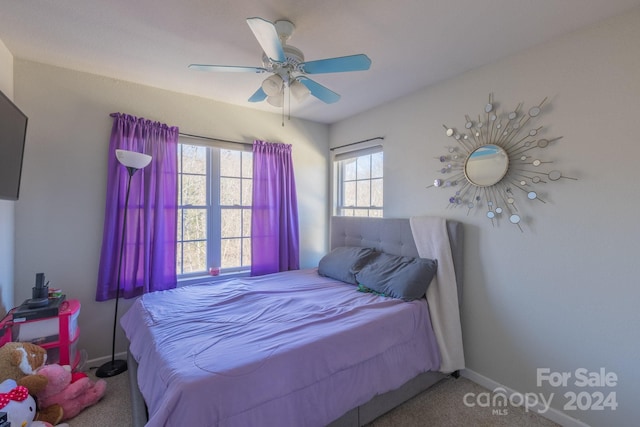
(288, 67)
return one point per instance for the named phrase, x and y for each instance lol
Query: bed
(298, 348)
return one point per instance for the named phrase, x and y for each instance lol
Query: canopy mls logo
(594, 393)
(499, 400)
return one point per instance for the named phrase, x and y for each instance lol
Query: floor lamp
(133, 161)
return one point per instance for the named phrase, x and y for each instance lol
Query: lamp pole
(133, 161)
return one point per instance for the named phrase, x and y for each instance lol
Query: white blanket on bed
(432, 241)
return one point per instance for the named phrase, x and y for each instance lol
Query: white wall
(7, 208)
(59, 218)
(564, 294)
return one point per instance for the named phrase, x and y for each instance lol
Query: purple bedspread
(287, 349)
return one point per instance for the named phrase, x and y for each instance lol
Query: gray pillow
(344, 262)
(397, 276)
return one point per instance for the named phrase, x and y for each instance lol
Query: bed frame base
(139, 414)
(363, 414)
(383, 403)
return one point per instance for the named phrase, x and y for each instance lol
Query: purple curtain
(149, 255)
(274, 214)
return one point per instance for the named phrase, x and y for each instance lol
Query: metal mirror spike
(495, 161)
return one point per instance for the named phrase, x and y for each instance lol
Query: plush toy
(19, 361)
(73, 392)
(20, 406)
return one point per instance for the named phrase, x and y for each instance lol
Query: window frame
(338, 176)
(213, 210)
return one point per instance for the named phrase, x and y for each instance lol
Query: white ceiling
(412, 43)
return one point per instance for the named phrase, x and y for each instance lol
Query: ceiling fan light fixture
(273, 85)
(299, 91)
(277, 100)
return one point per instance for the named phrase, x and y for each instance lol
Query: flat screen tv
(13, 131)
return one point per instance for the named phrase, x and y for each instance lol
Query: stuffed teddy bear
(20, 406)
(73, 392)
(19, 361)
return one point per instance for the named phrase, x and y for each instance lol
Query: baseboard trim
(552, 414)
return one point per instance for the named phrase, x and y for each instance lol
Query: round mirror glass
(486, 165)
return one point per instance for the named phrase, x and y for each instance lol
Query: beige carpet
(113, 410)
(443, 406)
(440, 406)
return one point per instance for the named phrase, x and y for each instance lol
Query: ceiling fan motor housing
(294, 56)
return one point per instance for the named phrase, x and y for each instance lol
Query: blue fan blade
(337, 65)
(322, 93)
(268, 38)
(258, 96)
(227, 68)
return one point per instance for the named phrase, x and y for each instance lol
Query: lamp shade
(133, 159)
(272, 85)
(299, 91)
(277, 100)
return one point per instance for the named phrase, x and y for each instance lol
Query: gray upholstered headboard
(392, 235)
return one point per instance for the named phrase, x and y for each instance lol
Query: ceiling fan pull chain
(289, 94)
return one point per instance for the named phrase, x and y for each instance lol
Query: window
(214, 210)
(359, 182)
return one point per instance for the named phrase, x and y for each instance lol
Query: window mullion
(181, 212)
(370, 181)
(340, 187)
(213, 193)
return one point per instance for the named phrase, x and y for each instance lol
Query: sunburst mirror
(495, 161)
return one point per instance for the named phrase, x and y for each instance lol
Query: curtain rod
(357, 142)
(250, 143)
(214, 139)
